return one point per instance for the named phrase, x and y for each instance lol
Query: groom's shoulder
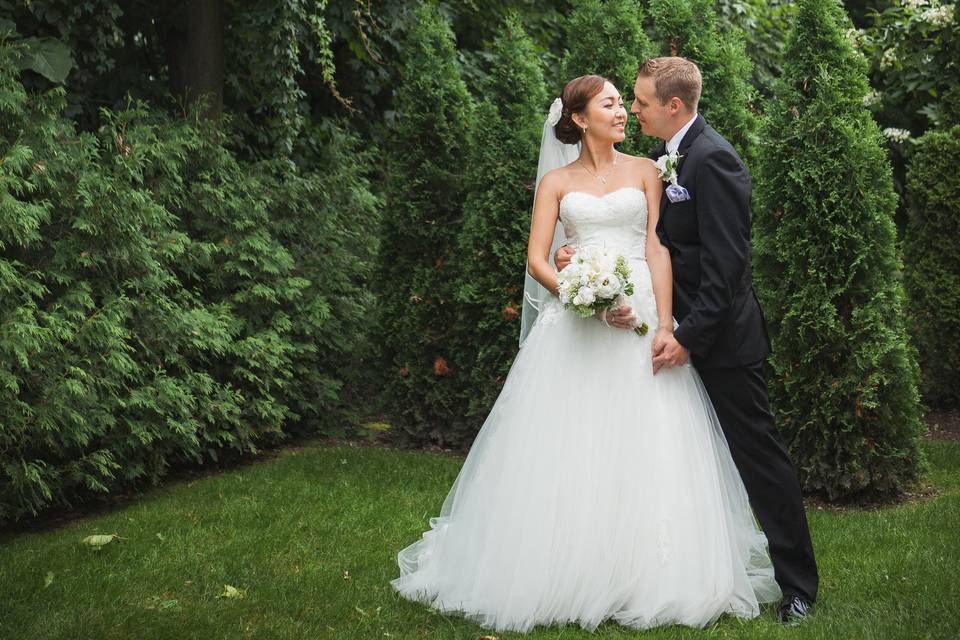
(713, 145)
(711, 139)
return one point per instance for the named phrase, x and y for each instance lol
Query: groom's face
(655, 119)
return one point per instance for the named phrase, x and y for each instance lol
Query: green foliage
(272, 48)
(47, 56)
(688, 28)
(491, 256)
(764, 24)
(324, 219)
(932, 257)
(607, 39)
(424, 191)
(368, 39)
(914, 53)
(161, 308)
(845, 379)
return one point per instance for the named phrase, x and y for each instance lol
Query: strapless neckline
(602, 196)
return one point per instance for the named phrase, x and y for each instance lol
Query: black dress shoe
(794, 610)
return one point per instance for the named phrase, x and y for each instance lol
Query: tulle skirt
(594, 491)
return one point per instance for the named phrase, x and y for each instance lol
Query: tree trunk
(194, 44)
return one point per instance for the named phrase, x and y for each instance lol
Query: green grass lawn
(310, 538)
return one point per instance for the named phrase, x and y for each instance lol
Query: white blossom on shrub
(896, 135)
(889, 57)
(938, 16)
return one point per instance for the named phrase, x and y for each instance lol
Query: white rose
(584, 297)
(572, 270)
(606, 263)
(609, 285)
(661, 164)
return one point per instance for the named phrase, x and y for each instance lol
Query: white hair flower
(556, 110)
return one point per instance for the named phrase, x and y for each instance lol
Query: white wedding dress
(595, 490)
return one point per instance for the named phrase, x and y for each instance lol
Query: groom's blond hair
(674, 76)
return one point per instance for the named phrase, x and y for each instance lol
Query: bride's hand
(668, 352)
(622, 317)
(660, 339)
(563, 256)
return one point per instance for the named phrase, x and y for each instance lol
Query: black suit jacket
(708, 236)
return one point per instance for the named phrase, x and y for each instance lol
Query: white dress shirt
(674, 143)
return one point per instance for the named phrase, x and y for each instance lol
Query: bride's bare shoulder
(555, 179)
(642, 164)
(637, 160)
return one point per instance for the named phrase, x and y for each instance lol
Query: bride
(596, 489)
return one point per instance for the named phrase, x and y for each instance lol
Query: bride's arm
(658, 256)
(546, 210)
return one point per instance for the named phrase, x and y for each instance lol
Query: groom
(705, 223)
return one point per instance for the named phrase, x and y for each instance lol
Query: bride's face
(604, 116)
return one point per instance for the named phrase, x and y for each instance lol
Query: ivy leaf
(47, 56)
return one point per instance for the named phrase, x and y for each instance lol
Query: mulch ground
(943, 425)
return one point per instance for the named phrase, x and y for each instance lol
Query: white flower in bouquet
(585, 296)
(608, 285)
(595, 280)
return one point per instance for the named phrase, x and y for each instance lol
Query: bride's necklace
(606, 174)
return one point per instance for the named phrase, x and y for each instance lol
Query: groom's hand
(667, 352)
(563, 256)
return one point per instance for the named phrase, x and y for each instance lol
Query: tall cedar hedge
(932, 257)
(158, 309)
(424, 192)
(845, 380)
(493, 242)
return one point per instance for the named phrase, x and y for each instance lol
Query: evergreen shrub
(844, 383)
(932, 263)
(160, 309)
(424, 193)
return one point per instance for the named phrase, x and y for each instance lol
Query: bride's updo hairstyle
(575, 97)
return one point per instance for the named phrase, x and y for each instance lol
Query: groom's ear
(677, 106)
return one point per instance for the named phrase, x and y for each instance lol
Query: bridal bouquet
(595, 280)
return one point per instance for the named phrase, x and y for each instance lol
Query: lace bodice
(616, 220)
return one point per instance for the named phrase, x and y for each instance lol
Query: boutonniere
(667, 166)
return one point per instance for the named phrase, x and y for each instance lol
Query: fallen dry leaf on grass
(99, 540)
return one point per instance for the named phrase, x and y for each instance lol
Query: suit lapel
(695, 130)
